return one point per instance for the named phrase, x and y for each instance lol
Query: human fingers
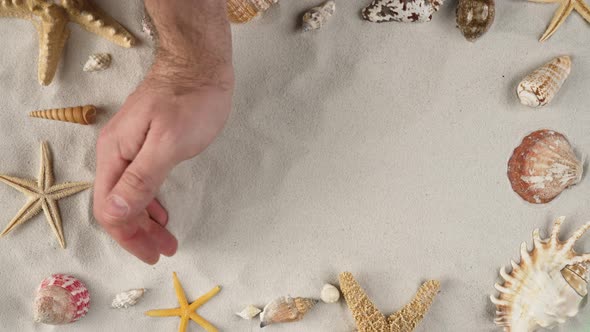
(157, 212)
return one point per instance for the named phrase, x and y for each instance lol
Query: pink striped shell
(61, 299)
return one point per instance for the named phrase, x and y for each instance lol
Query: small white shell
(330, 294)
(249, 312)
(316, 17)
(98, 62)
(128, 298)
(147, 26)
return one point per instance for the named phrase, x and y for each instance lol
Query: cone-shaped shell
(61, 299)
(83, 115)
(475, 17)
(98, 62)
(242, 11)
(286, 309)
(541, 86)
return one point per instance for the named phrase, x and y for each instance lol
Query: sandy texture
(379, 149)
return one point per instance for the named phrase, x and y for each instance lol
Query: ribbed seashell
(401, 10)
(242, 11)
(541, 86)
(546, 287)
(543, 166)
(286, 309)
(316, 17)
(249, 312)
(127, 299)
(84, 115)
(98, 62)
(61, 299)
(475, 17)
(330, 294)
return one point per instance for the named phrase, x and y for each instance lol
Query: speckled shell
(543, 166)
(316, 17)
(475, 17)
(83, 115)
(61, 299)
(286, 309)
(127, 299)
(401, 10)
(242, 11)
(537, 292)
(541, 86)
(98, 62)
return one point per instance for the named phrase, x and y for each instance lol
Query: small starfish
(51, 22)
(565, 9)
(369, 319)
(43, 195)
(186, 310)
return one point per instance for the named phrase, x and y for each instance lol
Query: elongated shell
(316, 17)
(242, 11)
(537, 293)
(401, 10)
(543, 166)
(84, 115)
(98, 62)
(61, 299)
(286, 309)
(541, 86)
(475, 17)
(128, 299)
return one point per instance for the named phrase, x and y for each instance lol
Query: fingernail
(117, 207)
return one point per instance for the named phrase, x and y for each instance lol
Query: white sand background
(379, 149)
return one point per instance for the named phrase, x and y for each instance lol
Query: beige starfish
(43, 195)
(565, 9)
(369, 319)
(51, 22)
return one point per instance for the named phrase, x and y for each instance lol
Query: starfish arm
(561, 14)
(179, 292)
(67, 189)
(203, 322)
(544, 1)
(183, 324)
(365, 313)
(409, 316)
(27, 187)
(15, 10)
(31, 209)
(583, 9)
(53, 34)
(205, 298)
(45, 179)
(54, 219)
(164, 313)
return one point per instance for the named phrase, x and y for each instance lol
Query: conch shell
(286, 309)
(98, 62)
(316, 17)
(128, 299)
(541, 86)
(475, 17)
(83, 115)
(401, 10)
(546, 287)
(242, 11)
(61, 299)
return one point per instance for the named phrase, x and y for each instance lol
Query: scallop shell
(544, 289)
(128, 299)
(542, 166)
(330, 294)
(541, 86)
(242, 11)
(98, 62)
(249, 312)
(475, 17)
(84, 115)
(401, 10)
(286, 309)
(61, 299)
(316, 17)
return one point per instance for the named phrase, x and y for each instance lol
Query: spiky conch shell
(242, 11)
(127, 299)
(98, 62)
(286, 309)
(543, 166)
(475, 17)
(61, 299)
(546, 287)
(83, 115)
(317, 17)
(540, 87)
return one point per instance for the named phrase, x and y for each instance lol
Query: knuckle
(140, 183)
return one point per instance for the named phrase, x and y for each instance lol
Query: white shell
(98, 62)
(128, 298)
(330, 294)
(316, 17)
(147, 26)
(249, 312)
(401, 10)
(539, 87)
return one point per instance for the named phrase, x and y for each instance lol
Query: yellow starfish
(369, 319)
(186, 310)
(43, 195)
(565, 9)
(51, 22)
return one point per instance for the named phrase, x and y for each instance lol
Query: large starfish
(51, 21)
(369, 319)
(565, 9)
(186, 311)
(43, 195)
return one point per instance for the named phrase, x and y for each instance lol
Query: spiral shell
(286, 309)
(83, 115)
(475, 17)
(127, 299)
(242, 11)
(98, 62)
(316, 17)
(61, 299)
(541, 86)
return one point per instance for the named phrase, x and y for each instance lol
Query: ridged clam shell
(316, 17)
(127, 299)
(541, 86)
(286, 309)
(242, 11)
(83, 115)
(475, 17)
(61, 299)
(543, 166)
(401, 10)
(249, 312)
(98, 62)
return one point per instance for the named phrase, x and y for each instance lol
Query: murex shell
(127, 299)
(286, 309)
(401, 10)
(546, 287)
(475, 17)
(242, 11)
(98, 62)
(61, 299)
(539, 87)
(543, 166)
(316, 17)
